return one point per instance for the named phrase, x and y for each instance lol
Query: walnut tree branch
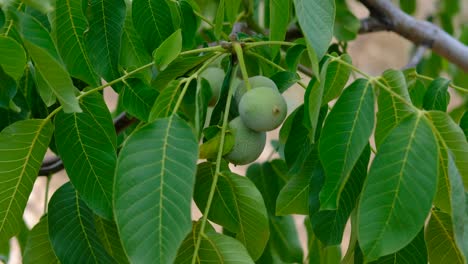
(419, 32)
(55, 164)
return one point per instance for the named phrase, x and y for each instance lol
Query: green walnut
(215, 77)
(255, 81)
(262, 109)
(248, 144)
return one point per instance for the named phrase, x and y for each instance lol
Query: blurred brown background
(373, 53)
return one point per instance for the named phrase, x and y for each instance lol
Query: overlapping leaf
(137, 98)
(403, 173)
(279, 20)
(168, 51)
(12, 57)
(153, 22)
(391, 107)
(69, 26)
(153, 189)
(22, 147)
(72, 229)
(237, 205)
(87, 145)
(102, 38)
(345, 134)
(48, 64)
(335, 79)
(437, 96)
(38, 247)
(214, 248)
(165, 103)
(109, 235)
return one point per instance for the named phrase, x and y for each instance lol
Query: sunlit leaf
(335, 79)
(87, 145)
(72, 230)
(345, 134)
(153, 189)
(404, 172)
(138, 98)
(22, 147)
(168, 51)
(165, 103)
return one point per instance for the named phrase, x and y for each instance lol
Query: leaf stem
(250, 45)
(451, 84)
(217, 168)
(46, 194)
(240, 57)
(200, 50)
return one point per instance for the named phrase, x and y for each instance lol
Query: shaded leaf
(284, 80)
(22, 147)
(219, 19)
(190, 24)
(409, 6)
(464, 124)
(153, 22)
(45, 6)
(47, 62)
(284, 239)
(39, 248)
(345, 134)
(318, 252)
(391, 109)
(166, 101)
(153, 188)
(329, 225)
(7, 90)
(103, 36)
(440, 240)
(72, 230)
(335, 79)
(69, 25)
(168, 51)
(346, 25)
(12, 57)
(293, 56)
(404, 172)
(237, 205)
(316, 18)
(86, 143)
(109, 235)
(279, 20)
(138, 98)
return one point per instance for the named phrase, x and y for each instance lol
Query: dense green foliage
(200, 82)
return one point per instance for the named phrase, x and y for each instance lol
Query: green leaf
(109, 235)
(454, 140)
(153, 22)
(47, 62)
(22, 147)
(133, 53)
(329, 225)
(413, 253)
(137, 98)
(316, 18)
(166, 101)
(39, 248)
(312, 103)
(437, 96)
(214, 248)
(68, 26)
(72, 230)
(318, 252)
(209, 148)
(440, 241)
(12, 57)
(284, 239)
(335, 79)
(86, 143)
(45, 6)
(285, 79)
(4, 248)
(347, 24)
(237, 205)
(168, 51)
(391, 109)
(464, 124)
(417, 90)
(47, 95)
(219, 19)
(345, 134)
(103, 36)
(153, 188)
(294, 197)
(293, 56)
(404, 172)
(409, 6)
(7, 89)
(279, 20)
(2, 18)
(191, 23)
(177, 68)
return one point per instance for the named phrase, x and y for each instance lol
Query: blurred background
(372, 53)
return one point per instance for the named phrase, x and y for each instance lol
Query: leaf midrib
(77, 203)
